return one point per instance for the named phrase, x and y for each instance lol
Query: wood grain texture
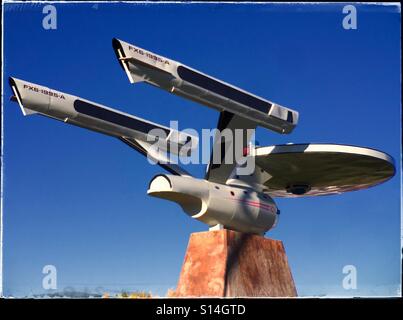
(227, 263)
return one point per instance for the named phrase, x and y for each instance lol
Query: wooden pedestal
(227, 263)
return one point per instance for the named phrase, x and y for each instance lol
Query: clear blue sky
(77, 199)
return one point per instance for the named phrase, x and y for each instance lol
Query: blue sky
(77, 199)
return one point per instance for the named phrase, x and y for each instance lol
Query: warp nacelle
(142, 65)
(34, 98)
(241, 209)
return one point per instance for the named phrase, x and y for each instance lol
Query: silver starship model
(223, 198)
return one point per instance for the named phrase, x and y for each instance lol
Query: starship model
(223, 198)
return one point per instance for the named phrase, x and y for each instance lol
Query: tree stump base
(228, 263)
